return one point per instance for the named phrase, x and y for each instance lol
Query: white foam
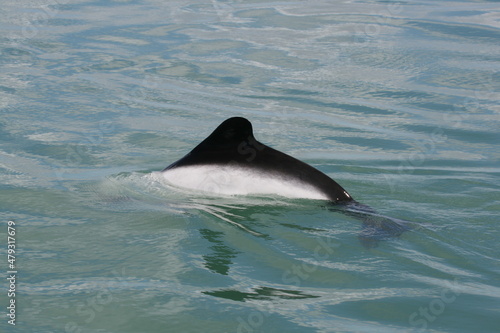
(231, 180)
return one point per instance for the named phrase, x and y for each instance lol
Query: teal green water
(398, 102)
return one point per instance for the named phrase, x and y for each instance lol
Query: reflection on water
(220, 260)
(262, 293)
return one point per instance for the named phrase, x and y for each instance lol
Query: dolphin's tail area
(376, 227)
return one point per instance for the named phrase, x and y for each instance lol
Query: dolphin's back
(232, 146)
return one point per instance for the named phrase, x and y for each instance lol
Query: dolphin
(230, 161)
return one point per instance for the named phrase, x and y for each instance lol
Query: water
(398, 102)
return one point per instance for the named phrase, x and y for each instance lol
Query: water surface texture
(396, 101)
